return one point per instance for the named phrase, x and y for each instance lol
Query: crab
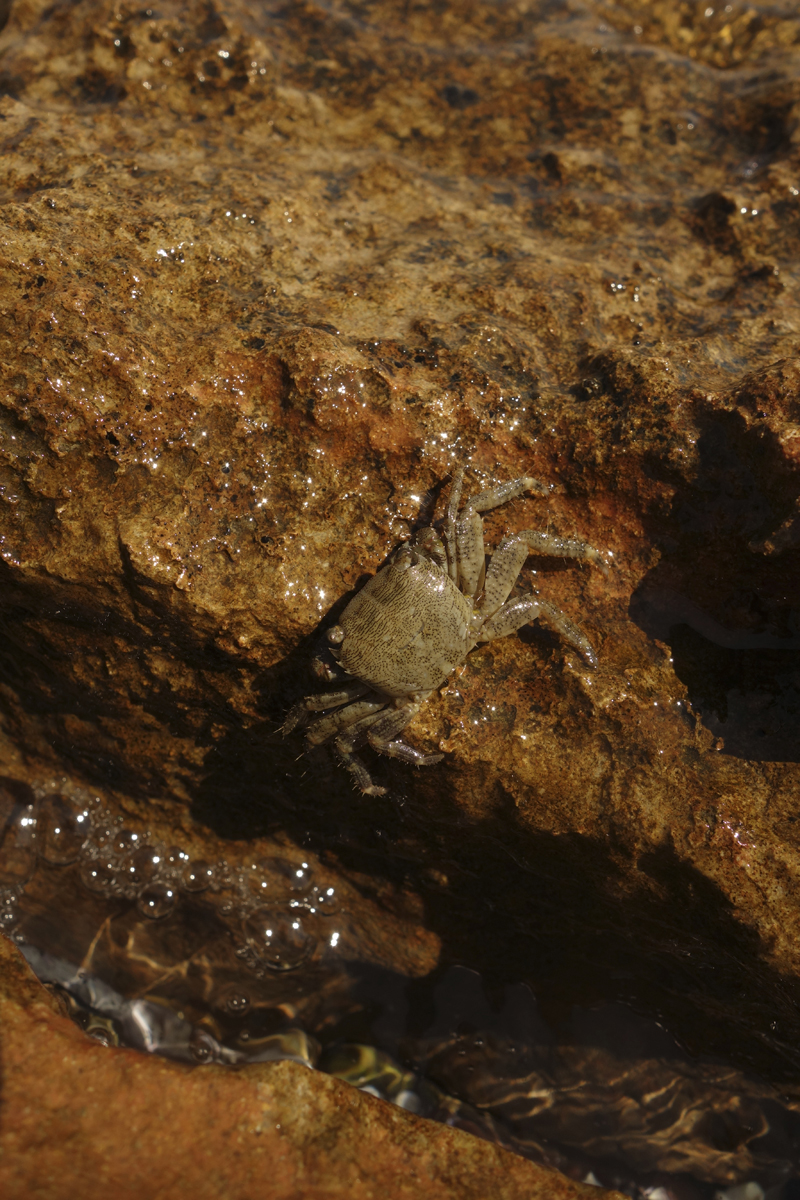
(417, 619)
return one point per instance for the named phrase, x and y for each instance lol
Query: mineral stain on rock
(265, 271)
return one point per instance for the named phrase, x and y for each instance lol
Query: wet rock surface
(268, 273)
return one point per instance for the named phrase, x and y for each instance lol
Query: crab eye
(335, 634)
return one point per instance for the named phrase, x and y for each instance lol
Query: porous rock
(266, 274)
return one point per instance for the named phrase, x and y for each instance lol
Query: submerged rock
(267, 274)
(109, 1117)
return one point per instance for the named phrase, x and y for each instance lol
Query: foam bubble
(156, 901)
(277, 938)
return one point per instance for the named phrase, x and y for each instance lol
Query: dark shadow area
(578, 1095)
(749, 698)
(53, 646)
(556, 913)
(745, 686)
(730, 614)
(555, 961)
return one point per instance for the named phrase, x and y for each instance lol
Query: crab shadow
(565, 915)
(727, 609)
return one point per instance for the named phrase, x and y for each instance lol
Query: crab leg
(320, 730)
(503, 492)
(450, 524)
(469, 529)
(345, 744)
(516, 613)
(509, 556)
(408, 754)
(298, 714)
(471, 553)
(360, 773)
(384, 730)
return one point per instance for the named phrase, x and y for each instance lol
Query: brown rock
(77, 1118)
(263, 272)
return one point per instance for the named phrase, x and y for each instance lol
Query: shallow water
(239, 961)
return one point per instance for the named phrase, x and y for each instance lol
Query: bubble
(278, 938)
(202, 1046)
(99, 875)
(155, 901)
(61, 831)
(104, 836)
(8, 917)
(140, 866)
(198, 876)
(175, 858)
(124, 841)
(237, 1004)
(287, 876)
(17, 833)
(9, 898)
(324, 900)
(259, 886)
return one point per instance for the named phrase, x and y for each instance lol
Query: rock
(267, 274)
(79, 1118)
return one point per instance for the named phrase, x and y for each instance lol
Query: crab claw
(324, 667)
